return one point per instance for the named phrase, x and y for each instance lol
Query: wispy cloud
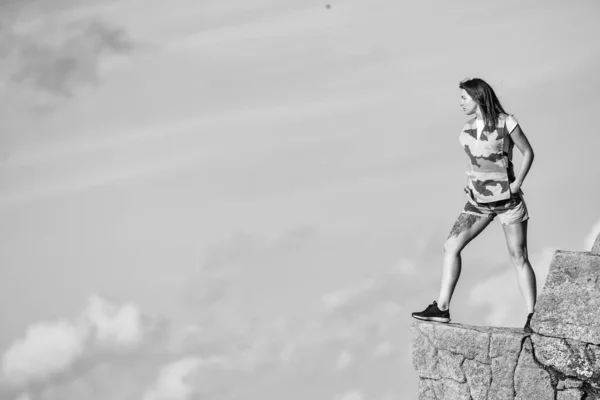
(350, 395)
(46, 349)
(500, 292)
(70, 59)
(108, 341)
(591, 236)
(23, 396)
(61, 349)
(115, 326)
(171, 383)
(51, 52)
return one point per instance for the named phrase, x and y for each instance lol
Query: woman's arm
(525, 148)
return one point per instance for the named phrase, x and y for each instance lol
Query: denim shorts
(509, 211)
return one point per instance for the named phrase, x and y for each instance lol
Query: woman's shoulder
(508, 117)
(511, 122)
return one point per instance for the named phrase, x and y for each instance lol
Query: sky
(248, 198)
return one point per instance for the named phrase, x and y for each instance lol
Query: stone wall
(559, 361)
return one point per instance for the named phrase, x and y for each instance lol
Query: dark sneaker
(433, 313)
(527, 328)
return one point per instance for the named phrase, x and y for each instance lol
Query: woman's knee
(518, 258)
(453, 247)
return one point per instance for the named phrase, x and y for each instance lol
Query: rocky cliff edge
(559, 361)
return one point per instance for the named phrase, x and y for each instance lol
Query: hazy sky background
(247, 198)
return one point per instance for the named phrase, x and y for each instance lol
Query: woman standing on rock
(492, 189)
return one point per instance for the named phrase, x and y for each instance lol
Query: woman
(493, 190)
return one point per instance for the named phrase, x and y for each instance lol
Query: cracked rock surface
(456, 361)
(468, 361)
(569, 303)
(559, 361)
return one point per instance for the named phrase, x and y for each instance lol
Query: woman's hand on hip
(514, 187)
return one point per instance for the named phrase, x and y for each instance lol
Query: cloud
(47, 348)
(344, 360)
(171, 384)
(60, 65)
(501, 292)
(118, 355)
(383, 349)
(116, 326)
(50, 348)
(238, 253)
(350, 395)
(361, 332)
(372, 291)
(591, 236)
(228, 356)
(50, 51)
(220, 267)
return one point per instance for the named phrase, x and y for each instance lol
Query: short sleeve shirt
(490, 169)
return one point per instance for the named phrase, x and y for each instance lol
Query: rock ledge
(559, 361)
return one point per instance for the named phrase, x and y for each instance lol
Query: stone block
(478, 377)
(500, 393)
(568, 305)
(532, 381)
(476, 362)
(570, 394)
(505, 348)
(568, 384)
(471, 341)
(570, 357)
(443, 389)
(449, 366)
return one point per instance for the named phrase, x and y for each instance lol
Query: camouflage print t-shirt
(490, 168)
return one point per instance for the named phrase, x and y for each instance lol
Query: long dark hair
(483, 94)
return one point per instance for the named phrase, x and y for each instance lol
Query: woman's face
(467, 103)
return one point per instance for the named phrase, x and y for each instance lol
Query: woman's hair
(483, 94)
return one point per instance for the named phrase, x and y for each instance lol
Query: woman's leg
(516, 240)
(465, 229)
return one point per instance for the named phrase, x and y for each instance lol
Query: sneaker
(433, 313)
(527, 328)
